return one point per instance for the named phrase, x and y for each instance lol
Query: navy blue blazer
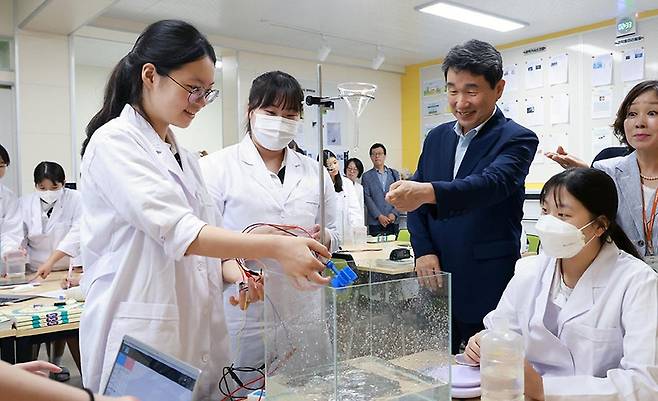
(475, 226)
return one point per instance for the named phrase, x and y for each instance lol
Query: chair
(533, 243)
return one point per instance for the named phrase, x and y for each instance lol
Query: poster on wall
(510, 108)
(560, 108)
(534, 74)
(632, 65)
(602, 102)
(549, 142)
(333, 134)
(534, 111)
(435, 107)
(430, 124)
(510, 75)
(433, 87)
(602, 70)
(602, 138)
(558, 69)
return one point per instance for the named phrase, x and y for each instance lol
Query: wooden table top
(51, 283)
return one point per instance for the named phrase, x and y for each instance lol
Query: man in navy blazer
(467, 194)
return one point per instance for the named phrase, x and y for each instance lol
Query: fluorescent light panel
(470, 16)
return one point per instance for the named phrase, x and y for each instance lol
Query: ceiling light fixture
(324, 50)
(379, 59)
(471, 16)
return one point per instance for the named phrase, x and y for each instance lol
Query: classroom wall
(577, 135)
(44, 124)
(6, 18)
(380, 122)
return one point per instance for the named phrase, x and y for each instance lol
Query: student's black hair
(476, 57)
(274, 88)
(49, 171)
(639, 89)
(338, 181)
(375, 146)
(357, 163)
(167, 44)
(597, 192)
(4, 155)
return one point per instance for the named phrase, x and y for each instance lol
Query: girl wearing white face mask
(586, 306)
(261, 180)
(51, 218)
(51, 221)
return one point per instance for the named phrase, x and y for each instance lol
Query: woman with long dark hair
(349, 213)
(586, 306)
(150, 246)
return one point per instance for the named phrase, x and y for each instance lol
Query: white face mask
(51, 197)
(274, 132)
(560, 239)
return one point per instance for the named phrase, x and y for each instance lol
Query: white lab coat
(246, 192)
(140, 214)
(350, 211)
(358, 188)
(607, 343)
(11, 221)
(60, 233)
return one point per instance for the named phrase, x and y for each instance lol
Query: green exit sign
(626, 26)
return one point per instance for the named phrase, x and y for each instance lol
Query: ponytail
(167, 44)
(122, 88)
(617, 235)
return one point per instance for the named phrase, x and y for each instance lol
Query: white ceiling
(406, 36)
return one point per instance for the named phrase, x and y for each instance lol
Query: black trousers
(378, 229)
(461, 332)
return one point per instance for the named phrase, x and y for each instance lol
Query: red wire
(230, 395)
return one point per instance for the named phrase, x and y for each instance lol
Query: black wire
(230, 371)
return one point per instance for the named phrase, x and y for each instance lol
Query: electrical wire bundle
(231, 371)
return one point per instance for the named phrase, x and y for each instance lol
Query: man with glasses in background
(382, 218)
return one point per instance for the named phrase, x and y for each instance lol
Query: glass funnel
(357, 95)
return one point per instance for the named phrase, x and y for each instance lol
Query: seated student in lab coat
(261, 180)
(11, 221)
(51, 218)
(150, 244)
(586, 306)
(349, 212)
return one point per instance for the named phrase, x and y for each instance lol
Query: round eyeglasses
(197, 94)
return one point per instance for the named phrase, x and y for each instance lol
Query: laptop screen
(149, 375)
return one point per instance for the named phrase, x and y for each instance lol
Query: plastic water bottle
(501, 363)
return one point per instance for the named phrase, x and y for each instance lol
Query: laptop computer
(150, 375)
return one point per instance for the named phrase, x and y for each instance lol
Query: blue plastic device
(342, 277)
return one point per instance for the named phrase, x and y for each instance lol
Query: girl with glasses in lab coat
(149, 236)
(586, 306)
(261, 180)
